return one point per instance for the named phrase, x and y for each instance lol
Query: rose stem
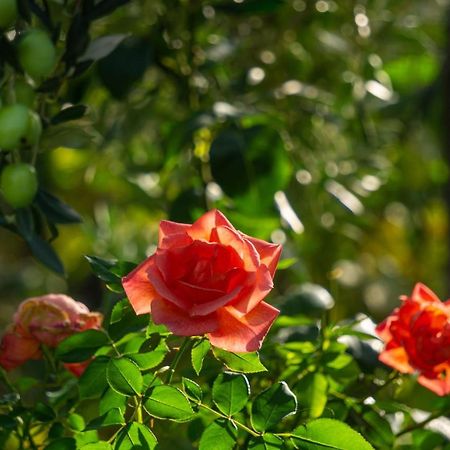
(177, 358)
(421, 424)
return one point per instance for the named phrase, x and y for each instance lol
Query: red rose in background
(417, 337)
(208, 278)
(45, 320)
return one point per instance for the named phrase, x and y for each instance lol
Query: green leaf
(70, 113)
(65, 443)
(148, 359)
(112, 417)
(286, 263)
(86, 437)
(124, 320)
(198, 353)
(112, 399)
(219, 435)
(76, 422)
(192, 389)
(55, 210)
(43, 412)
(323, 434)
(135, 436)
(101, 47)
(272, 405)
(239, 362)
(380, 431)
(44, 252)
(81, 346)
(266, 442)
(102, 268)
(230, 392)
(167, 402)
(124, 376)
(101, 445)
(313, 389)
(93, 380)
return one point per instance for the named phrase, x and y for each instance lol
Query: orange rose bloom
(208, 278)
(45, 320)
(417, 337)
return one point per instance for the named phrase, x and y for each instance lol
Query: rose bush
(46, 320)
(208, 278)
(417, 337)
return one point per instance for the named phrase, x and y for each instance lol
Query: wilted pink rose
(417, 337)
(52, 318)
(45, 320)
(208, 278)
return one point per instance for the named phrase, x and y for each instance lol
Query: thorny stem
(176, 359)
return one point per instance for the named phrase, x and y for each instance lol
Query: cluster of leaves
(33, 79)
(149, 389)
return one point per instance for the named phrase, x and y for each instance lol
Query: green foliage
(135, 435)
(313, 124)
(199, 351)
(124, 376)
(81, 346)
(167, 402)
(219, 434)
(273, 405)
(329, 433)
(239, 362)
(230, 392)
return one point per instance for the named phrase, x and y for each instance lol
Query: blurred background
(321, 125)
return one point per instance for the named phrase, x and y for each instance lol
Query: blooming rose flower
(417, 337)
(45, 320)
(208, 278)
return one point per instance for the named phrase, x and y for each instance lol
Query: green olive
(8, 13)
(34, 130)
(14, 125)
(18, 184)
(37, 54)
(21, 93)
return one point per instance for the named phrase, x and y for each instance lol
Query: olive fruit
(8, 13)
(18, 184)
(34, 130)
(37, 54)
(14, 125)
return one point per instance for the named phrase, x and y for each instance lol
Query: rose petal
(244, 334)
(77, 369)
(16, 349)
(269, 253)
(232, 238)
(167, 228)
(383, 329)
(440, 386)
(259, 287)
(422, 292)
(179, 323)
(139, 289)
(202, 227)
(396, 358)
